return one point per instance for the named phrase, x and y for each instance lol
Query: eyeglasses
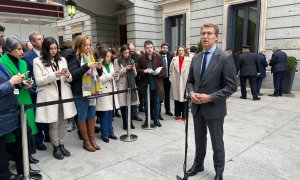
(208, 33)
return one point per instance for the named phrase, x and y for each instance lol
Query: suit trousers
(167, 86)
(215, 127)
(252, 82)
(277, 80)
(58, 130)
(258, 84)
(4, 171)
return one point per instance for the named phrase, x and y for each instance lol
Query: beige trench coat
(108, 84)
(122, 84)
(47, 90)
(178, 80)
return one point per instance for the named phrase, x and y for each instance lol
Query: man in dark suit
(249, 69)
(36, 40)
(262, 69)
(279, 66)
(211, 80)
(167, 58)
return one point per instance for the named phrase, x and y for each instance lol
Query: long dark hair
(45, 54)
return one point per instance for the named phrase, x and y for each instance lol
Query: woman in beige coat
(52, 79)
(125, 67)
(179, 72)
(105, 105)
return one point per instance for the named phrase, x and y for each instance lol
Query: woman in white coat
(105, 105)
(125, 67)
(52, 79)
(179, 72)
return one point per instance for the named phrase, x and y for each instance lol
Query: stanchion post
(148, 125)
(24, 143)
(128, 137)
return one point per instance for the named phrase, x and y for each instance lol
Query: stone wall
(144, 21)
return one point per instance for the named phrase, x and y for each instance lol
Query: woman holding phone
(125, 66)
(105, 105)
(85, 73)
(52, 79)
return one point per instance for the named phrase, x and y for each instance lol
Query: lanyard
(4, 71)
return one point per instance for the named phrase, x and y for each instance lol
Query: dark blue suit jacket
(262, 65)
(278, 61)
(29, 57)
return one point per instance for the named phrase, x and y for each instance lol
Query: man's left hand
(204, 98)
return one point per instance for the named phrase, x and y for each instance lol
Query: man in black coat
(262, 69)
(167, 58)
(249, 68)
(279, 66)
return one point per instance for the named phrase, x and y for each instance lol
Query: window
(243, 27)
(76, 34)
(60, 40)
(175, 28)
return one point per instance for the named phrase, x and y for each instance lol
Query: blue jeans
(154, 104)
(106, 123)
(84, 110)
(134, 110)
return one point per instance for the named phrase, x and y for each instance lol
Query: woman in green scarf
(14, 65)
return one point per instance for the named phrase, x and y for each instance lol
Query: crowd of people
(50, 72)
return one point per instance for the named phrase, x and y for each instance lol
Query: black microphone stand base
(179, 178)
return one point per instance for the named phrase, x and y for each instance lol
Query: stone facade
(145, 19)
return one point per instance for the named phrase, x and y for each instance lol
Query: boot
(57, 153)
(91, 133)
(83, 132)
(125, 124)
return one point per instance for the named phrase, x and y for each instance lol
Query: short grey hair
(32, 34)
(12, 42)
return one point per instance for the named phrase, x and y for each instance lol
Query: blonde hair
(78, 44)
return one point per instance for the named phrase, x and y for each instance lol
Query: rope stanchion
(148, 125)
(128, 137)
(24, 143)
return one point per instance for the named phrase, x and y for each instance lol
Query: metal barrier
(128, 137)
(148, 125)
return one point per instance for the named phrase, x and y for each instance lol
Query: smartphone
(100, 60)
(26, 74)
(64, 69)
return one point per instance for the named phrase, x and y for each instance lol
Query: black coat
(278, 61)
(248, 64)
(77, 71)
(262, 65)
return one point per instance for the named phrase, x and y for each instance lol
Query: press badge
(16, 91)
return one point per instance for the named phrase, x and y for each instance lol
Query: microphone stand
(185, 177)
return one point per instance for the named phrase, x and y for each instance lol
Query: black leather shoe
(97, 129)
(63, 150)
(33, 172)
(32, 160)
(243, 97)
(57, 153)
(195, 169)
(256, 98)
(41, 147)
(17, 177)
(219, 177)
(113, 137)
(273, 95)
(157, 123)
(105, 140)
(169, 113)
(161, 118)
(260, 94)
(36, 177)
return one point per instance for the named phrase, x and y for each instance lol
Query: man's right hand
(195, 99)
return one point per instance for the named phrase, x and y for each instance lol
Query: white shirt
(36, 52)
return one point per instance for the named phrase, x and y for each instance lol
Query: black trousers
(16, 148)
(167, 86)
(215, 127)
(252, 82)
(4, 171)
(277, 80)
(181, 109)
